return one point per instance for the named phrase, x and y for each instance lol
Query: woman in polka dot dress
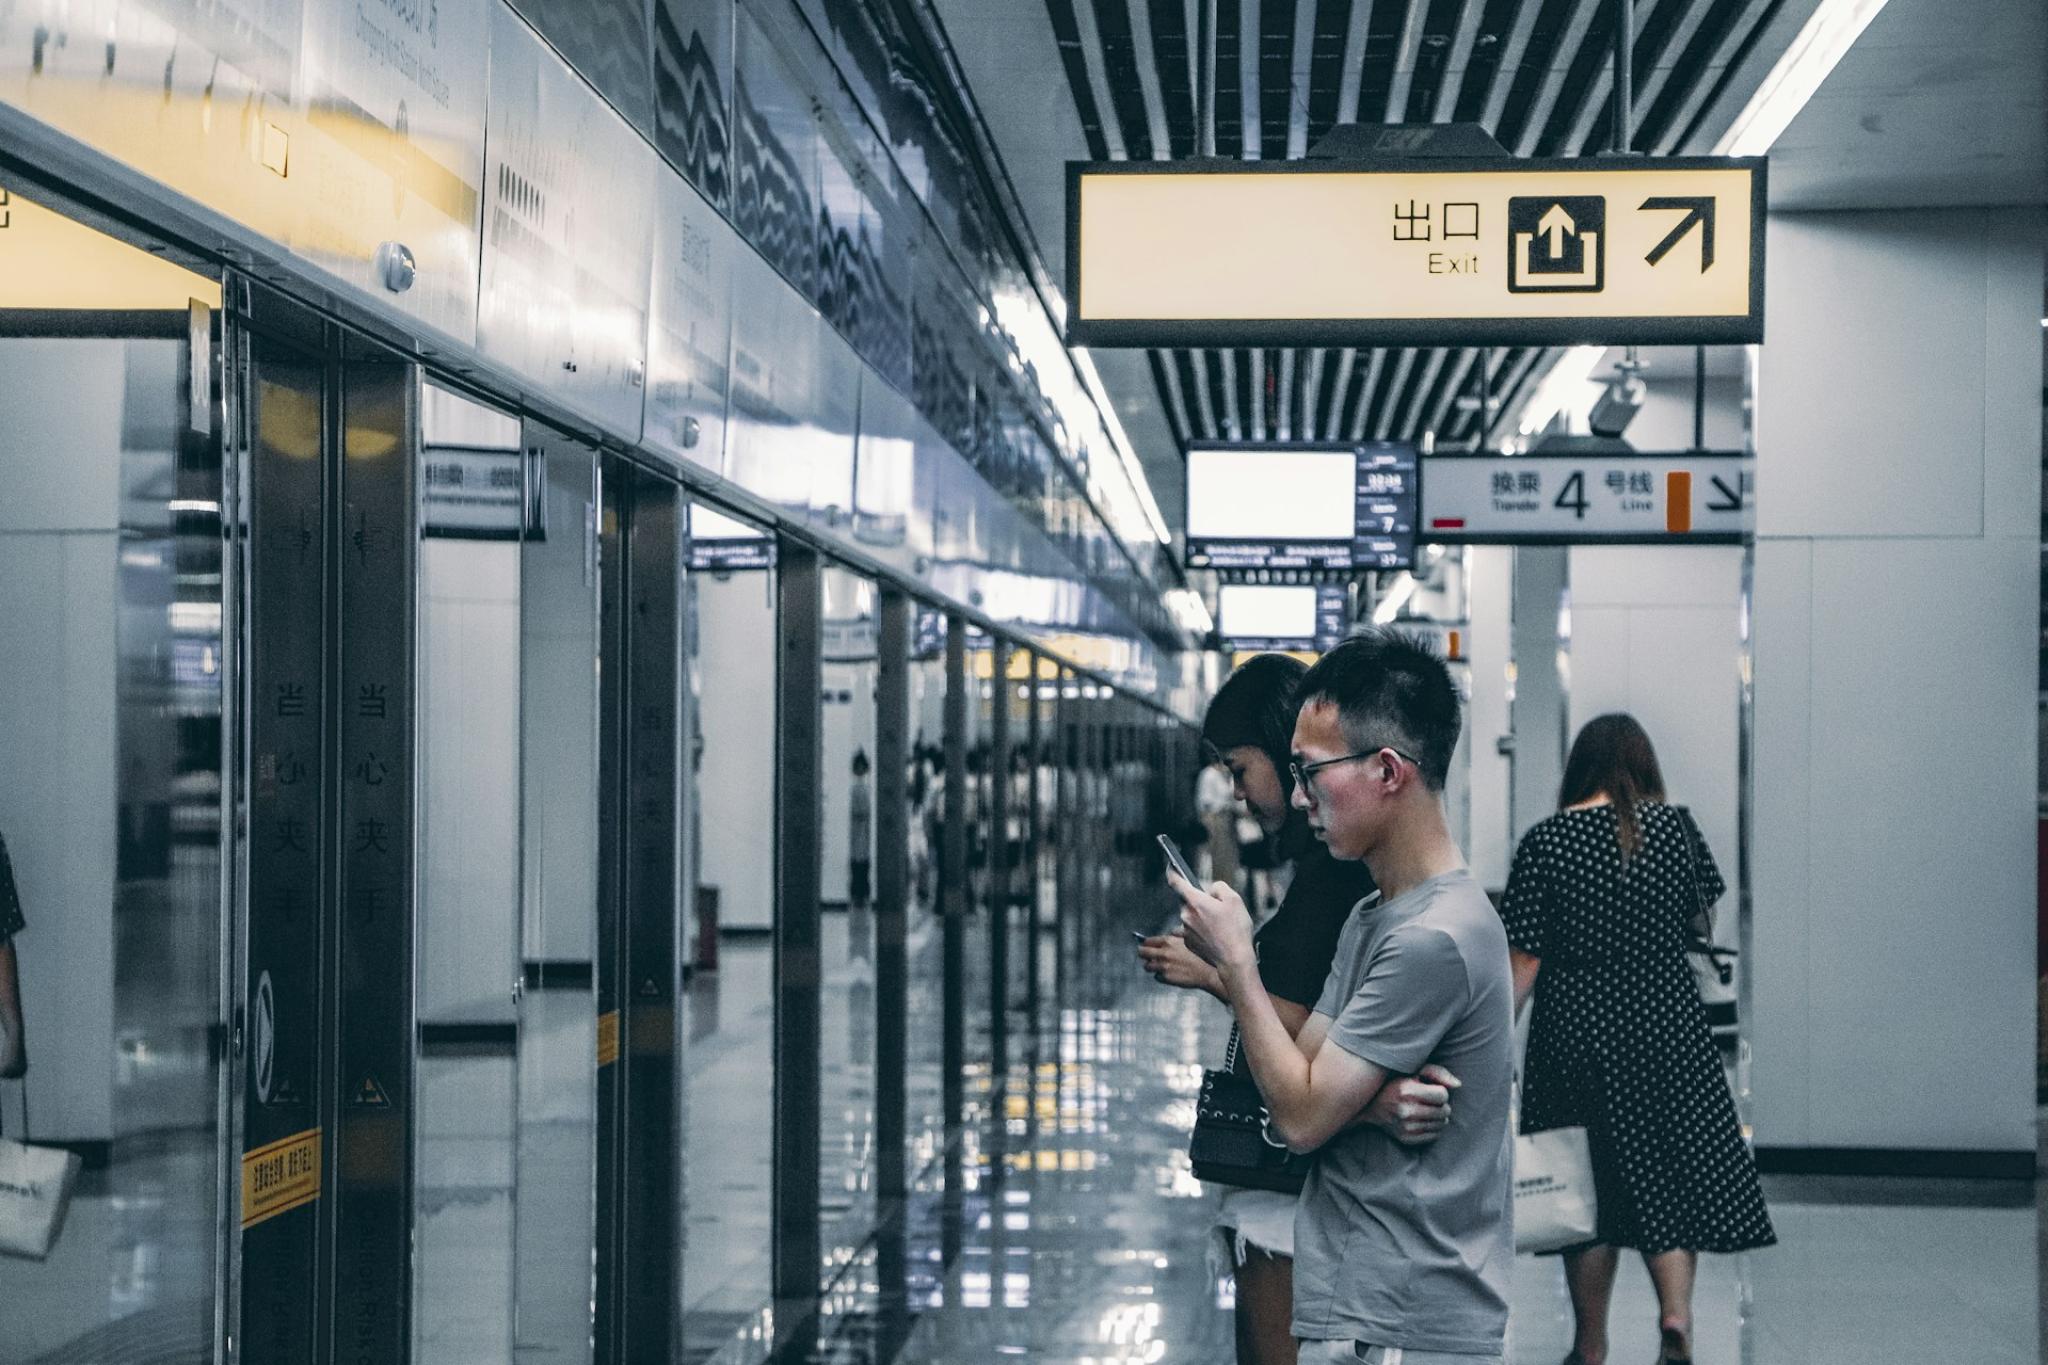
(1599, 899)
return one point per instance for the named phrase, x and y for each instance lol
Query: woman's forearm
(1524, 968)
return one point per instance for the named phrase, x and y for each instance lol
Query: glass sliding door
(469, 953)
(555, 1182)
(114, 646)
(728, 1067)
(851, 672)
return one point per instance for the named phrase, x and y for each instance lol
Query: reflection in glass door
(725, 1143)
(555, 1181)
(469, 829)
(113, 661)
(509, 889)
(850, 671)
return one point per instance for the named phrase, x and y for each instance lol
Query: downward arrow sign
(1730, 499)
(1699, 211)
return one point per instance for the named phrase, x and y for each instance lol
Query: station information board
(722, 543)
(1328, 507)
(1471, 252)
(1254, 616)
(1698, 497)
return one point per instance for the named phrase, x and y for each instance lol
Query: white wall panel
(71, 481)
(393, 149)
(1872, 383)
(736, 718)
(689, 341)
(1540, 712)
(1490, 572)
(567, 258)
(469, 776)
(1922, 893)
(1896, 589)
(2012, 373)
(1777, 1018)
(1654, 633)
(57, 723)
(1657, 575)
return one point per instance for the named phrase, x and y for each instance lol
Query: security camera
(1620, 401)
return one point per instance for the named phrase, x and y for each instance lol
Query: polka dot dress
(1618, 1042)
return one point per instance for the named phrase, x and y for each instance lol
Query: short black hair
(1256, 706)
(1393, 690)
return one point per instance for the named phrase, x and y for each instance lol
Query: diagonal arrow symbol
(1731, 500)
(1701, 211)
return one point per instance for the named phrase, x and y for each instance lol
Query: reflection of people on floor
(860, 833)
(13, 1044)
(1016, 820)
(977, 826)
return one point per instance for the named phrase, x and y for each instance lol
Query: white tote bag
(35, 1192)
(1554, 1202)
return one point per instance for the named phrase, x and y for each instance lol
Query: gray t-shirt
(1413, 1246)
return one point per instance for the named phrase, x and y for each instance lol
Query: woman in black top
(1250, 727)
(1600, 899)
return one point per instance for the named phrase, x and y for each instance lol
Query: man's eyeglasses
(1301, 772)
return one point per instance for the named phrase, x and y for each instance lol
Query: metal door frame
(353, 1167)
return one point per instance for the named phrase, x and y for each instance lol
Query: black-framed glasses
(1301, 771)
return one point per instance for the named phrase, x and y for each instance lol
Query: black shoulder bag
(1232, 1143)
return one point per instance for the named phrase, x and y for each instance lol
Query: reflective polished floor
(1083, 1239)
(1060, 1223)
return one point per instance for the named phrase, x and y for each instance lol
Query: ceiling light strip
(1098, 78)
(1339, 386)
(1297, 102)
(1362, 413)
(1247, 75)
(1726, 49)
(1148, 78)
(1460, 59)
(1559, 71)
(1830, 32)
(1690, 17)
(1354, 61)
(1404, 61)
(1510, 63)
(1385, 421)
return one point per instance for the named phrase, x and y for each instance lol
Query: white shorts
(1352, 1352)
(1261, 1220)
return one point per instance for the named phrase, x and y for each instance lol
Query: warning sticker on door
(280, 1176)
(607, 1037)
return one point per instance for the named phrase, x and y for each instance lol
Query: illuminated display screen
(1290, 616)
(721, 542)
(1325, 508)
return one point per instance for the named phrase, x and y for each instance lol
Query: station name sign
(1694, 498)
(1485, 251)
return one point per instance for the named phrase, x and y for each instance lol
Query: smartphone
(1138, 936)
(1176, 862)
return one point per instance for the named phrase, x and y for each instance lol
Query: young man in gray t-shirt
(1402, 1254)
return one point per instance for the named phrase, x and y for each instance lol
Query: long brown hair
(1613, 755)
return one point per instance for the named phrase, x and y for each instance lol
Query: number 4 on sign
(1572, 497)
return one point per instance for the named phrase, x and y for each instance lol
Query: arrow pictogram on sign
(1557, 224)
(1730, 500)
(1699, 211)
